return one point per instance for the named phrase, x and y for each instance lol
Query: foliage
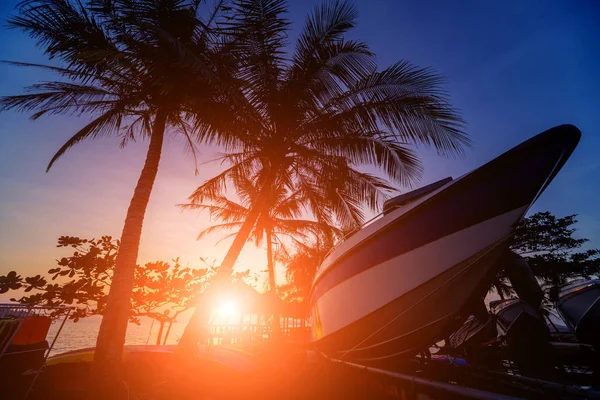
(131, 67)
(282, 218)
(120, 61)
(316, 120)
(162, 290)
(280, 221)
(553, 253)
(302, 267)
(312, 120)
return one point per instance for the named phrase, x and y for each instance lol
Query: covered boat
(517, 320)
(579, 305)
(397, 285)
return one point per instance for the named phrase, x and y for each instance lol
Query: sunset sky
(515, 68)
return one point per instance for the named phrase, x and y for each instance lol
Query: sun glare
(227, 308)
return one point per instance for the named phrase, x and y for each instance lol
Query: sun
(227, 308)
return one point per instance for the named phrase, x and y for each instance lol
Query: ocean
(83, 333)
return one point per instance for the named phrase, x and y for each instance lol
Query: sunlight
(227, 308)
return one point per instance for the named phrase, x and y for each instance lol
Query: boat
(400, 283)
(518, 321)
(579, 305)
(25, 343)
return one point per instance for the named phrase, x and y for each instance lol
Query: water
(82, 334)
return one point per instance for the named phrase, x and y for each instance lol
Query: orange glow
(227, 308)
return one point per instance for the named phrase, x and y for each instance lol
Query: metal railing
(253, 333)
(20, 313)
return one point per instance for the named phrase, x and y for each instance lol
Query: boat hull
(396, 331)
(394, 287)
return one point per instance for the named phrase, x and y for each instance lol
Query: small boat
(25, 343)
(391, 289)
(579, 305)
(518, 321)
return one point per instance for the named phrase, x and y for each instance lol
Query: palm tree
(314, 119)
(302, 265)
(282, 222)
(131, 65)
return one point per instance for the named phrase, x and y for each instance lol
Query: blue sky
(514, 69)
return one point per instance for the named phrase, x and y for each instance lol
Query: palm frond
(139, 126)
(69, 32)
(398, 162)
(327, 23)
(261, 32)
(186, 131)
(407, 100)
(112, 79)
(105, 124)
(60, 98)
(219, 227)
(213, 187)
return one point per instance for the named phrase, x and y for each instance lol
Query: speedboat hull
(395, 286)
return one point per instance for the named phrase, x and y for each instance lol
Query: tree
(281, 221)
(131, 65)
(551, 250)
(161, 290)
(553, 253)
(302, 267)
(311, 120)
(314, 120)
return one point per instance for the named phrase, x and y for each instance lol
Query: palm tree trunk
(270, 267)
(198, 324)
(275, 328)
(240, 239)
(160, 332)
(111, 337)
(197, 328)
(168, 331)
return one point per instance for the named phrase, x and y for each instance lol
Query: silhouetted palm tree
(282, 221)
(131, 65)
(314, 119)
(302, 265)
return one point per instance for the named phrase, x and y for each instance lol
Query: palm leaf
(219, 227)
(261, 32)
(68, 32)
(105, 124)
(327, 23)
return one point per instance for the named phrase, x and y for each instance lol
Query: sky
(514, 69)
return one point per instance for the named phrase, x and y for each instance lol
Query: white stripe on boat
(366, 231)
(395, 277)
